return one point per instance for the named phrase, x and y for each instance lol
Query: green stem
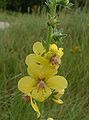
(42, 111)
(50, 28)
(54, 8)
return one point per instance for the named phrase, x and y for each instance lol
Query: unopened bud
(52, 22)
(65, 2)
(50, 119)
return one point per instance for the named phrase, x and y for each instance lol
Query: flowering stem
(42, 111)
(52, 14)
(54, 8)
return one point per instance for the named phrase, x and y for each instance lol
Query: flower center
(54, 60)
(41, 85)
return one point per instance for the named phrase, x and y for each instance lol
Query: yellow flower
(55, 51)
(41, 82)
(53, 48)
(50, 59)
(56, 97)
(54, 55)
(37, 56)
(75, 49)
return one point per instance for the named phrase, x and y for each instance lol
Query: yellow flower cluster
(42, 81)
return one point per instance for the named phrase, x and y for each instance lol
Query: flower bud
(50, 119)
(52, 22)
(53, 48)
(64, 2)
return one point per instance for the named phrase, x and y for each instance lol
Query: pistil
(41, 85)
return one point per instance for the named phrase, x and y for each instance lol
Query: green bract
(64, 2)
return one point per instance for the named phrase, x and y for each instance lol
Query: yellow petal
(58, 101)
(53, 48)
(35, 107)
(41, 94)
(60, 52)
(57, 82)
(60, 92)
(30, 59)
(40, 71)
(38, 48)
(48, 54)
(49, 72)
(26, 84)
(41, 60)
(34, 70)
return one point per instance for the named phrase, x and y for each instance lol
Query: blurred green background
(38, 5)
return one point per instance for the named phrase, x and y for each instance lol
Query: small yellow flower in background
(75, 49)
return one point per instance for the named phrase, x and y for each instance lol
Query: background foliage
(22, 5)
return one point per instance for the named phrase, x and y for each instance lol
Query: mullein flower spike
(42, 80)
